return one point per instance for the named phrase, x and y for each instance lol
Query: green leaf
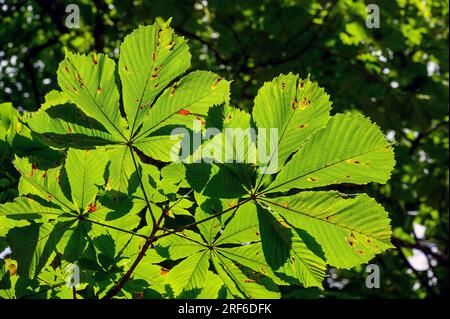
(189, 275)
(162, 148)
(292, 256)
(180, 245)
(62, 124)
(46, 182)
(208, 207)
(33, 245)
(152, 274)
(29, 208)
(351, 231)
(213, 289)
(185, 101)
(237, 283)
(350, 149)
(85, 170)
(296, 107)
(88, 81)
(234, 144)
(122, 175)
(214, 181)
(251, 256)
(243, 226)
(150, 58)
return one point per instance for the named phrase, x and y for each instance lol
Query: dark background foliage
(396, 74)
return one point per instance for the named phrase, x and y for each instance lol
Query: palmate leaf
(151, 58)
(99, 206)
(58, 210)
(187, 278)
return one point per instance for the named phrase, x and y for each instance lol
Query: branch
(422, 246)
(149, 242)
(204, 42)
(302, 50)
(99, 27)
(421, 136)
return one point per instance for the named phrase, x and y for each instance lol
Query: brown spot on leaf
(353, 161)
(174, 88)
(139, 295)
(170, 45)
(284, 224)
(359, 251)
(12, 268)
(312, 179)
(303, 125)
(34, 167)
(163, 271)
(154, 56)
(184, 112)
(232, 204)
(304, 103)
(249, 280)
(99, 89)
(257, 233)
(294, 104)
(351, 241)
(202, 121)
(284, 204)
(92, 208)
(214, 85)
(94, 60)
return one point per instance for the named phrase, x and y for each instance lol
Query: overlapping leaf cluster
(141, 227)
